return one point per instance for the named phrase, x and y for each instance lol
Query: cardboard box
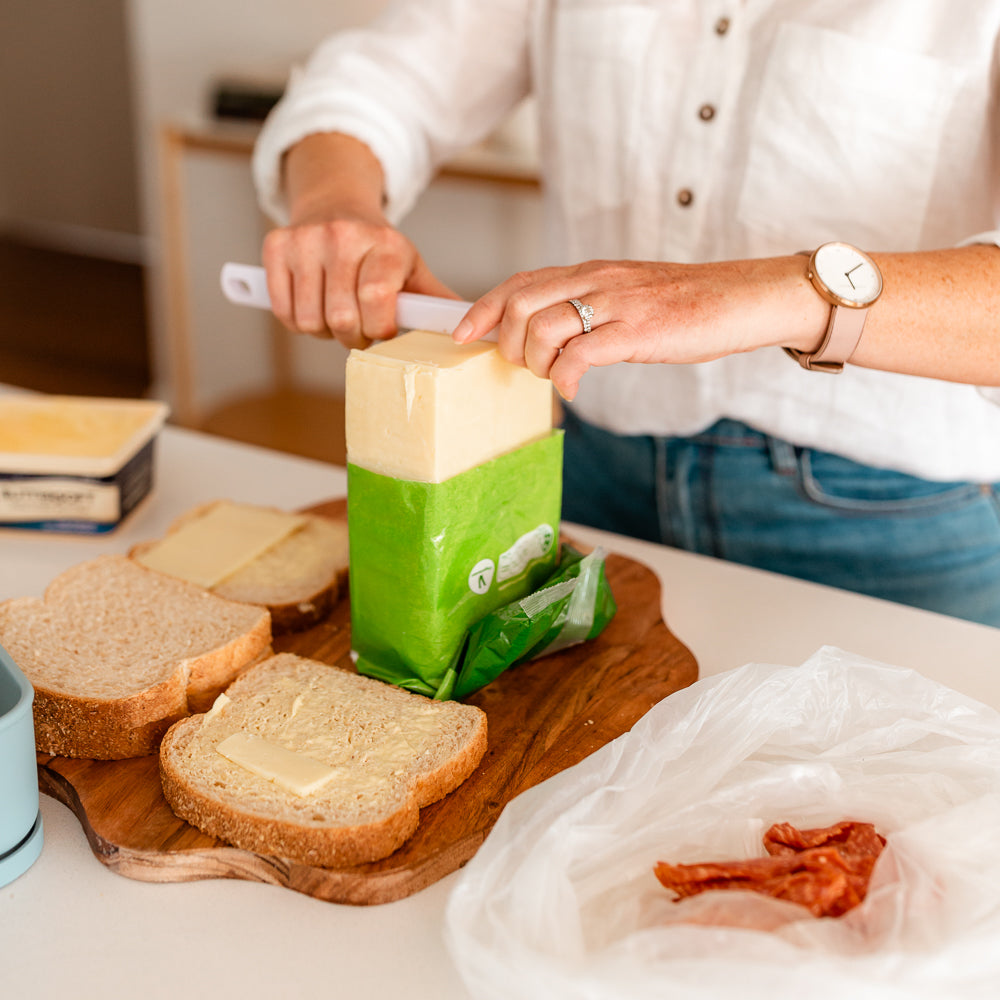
(75, 464)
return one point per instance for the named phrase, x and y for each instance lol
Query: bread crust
(212, 672)
(297, 616)
(224, 816)
(71, 721)
(68, 725)
(338, 847)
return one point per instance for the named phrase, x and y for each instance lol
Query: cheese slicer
(246, 285)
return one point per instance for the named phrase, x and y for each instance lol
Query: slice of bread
(116, 653)
(391, 752)
(298, 579)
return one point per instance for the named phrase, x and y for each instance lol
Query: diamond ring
(586, 313)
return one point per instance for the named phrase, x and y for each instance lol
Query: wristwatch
(851, 282)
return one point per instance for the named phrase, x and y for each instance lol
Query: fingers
(340, 279)
(541, 329)
(513, 305)
(605, 345)
(297, 278)
(340, 310)
(379, 277)
(535, 318)
(547, 334)
(279, 288)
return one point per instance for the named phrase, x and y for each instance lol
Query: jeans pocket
(849, 488)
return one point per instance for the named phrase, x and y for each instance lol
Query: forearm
(330, 175)
(334, 271)
(938, 316)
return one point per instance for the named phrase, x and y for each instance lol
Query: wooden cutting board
(543, 717)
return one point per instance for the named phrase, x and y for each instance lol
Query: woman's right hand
(335, 270)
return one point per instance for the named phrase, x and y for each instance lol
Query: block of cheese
(421, 407)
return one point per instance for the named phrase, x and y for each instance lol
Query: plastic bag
(573, 605)
(561, 900)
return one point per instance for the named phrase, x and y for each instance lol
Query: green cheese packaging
(429, 560)
(573, 605)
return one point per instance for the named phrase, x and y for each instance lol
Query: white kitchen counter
(71, 927)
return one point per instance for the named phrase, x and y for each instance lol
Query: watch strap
(843, 334)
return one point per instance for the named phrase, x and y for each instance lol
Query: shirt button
(684, 197)
(722, 25)
(706, 112)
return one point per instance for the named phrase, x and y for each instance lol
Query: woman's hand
(334, 271)
(338, 277)
(647, 313)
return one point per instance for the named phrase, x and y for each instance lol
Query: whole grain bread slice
(116, 653)
(298, 580)
(391, 752)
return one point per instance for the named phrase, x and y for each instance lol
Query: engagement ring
(586, 313)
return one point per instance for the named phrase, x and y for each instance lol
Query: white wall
(179, 49)
(472, 235)
(67, 168)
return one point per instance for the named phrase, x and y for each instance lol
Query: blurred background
(125, 135)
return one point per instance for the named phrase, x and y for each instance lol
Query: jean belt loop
(784, 459)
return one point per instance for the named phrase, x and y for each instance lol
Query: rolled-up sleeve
(424, 81)
(992, 237)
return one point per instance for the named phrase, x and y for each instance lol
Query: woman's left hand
(646, 313)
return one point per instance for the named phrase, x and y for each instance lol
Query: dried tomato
(826, 870)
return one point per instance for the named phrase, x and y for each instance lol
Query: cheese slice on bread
(316, 763)
(116, 653)
(292, 564)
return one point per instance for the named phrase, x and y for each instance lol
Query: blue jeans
(737, 494)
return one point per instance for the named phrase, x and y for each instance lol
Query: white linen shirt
(697, 130)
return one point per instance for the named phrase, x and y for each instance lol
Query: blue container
(20, 819)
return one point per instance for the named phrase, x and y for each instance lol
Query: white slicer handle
(246, 285)
(426, 312)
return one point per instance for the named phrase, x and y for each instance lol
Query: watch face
(850, 275)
